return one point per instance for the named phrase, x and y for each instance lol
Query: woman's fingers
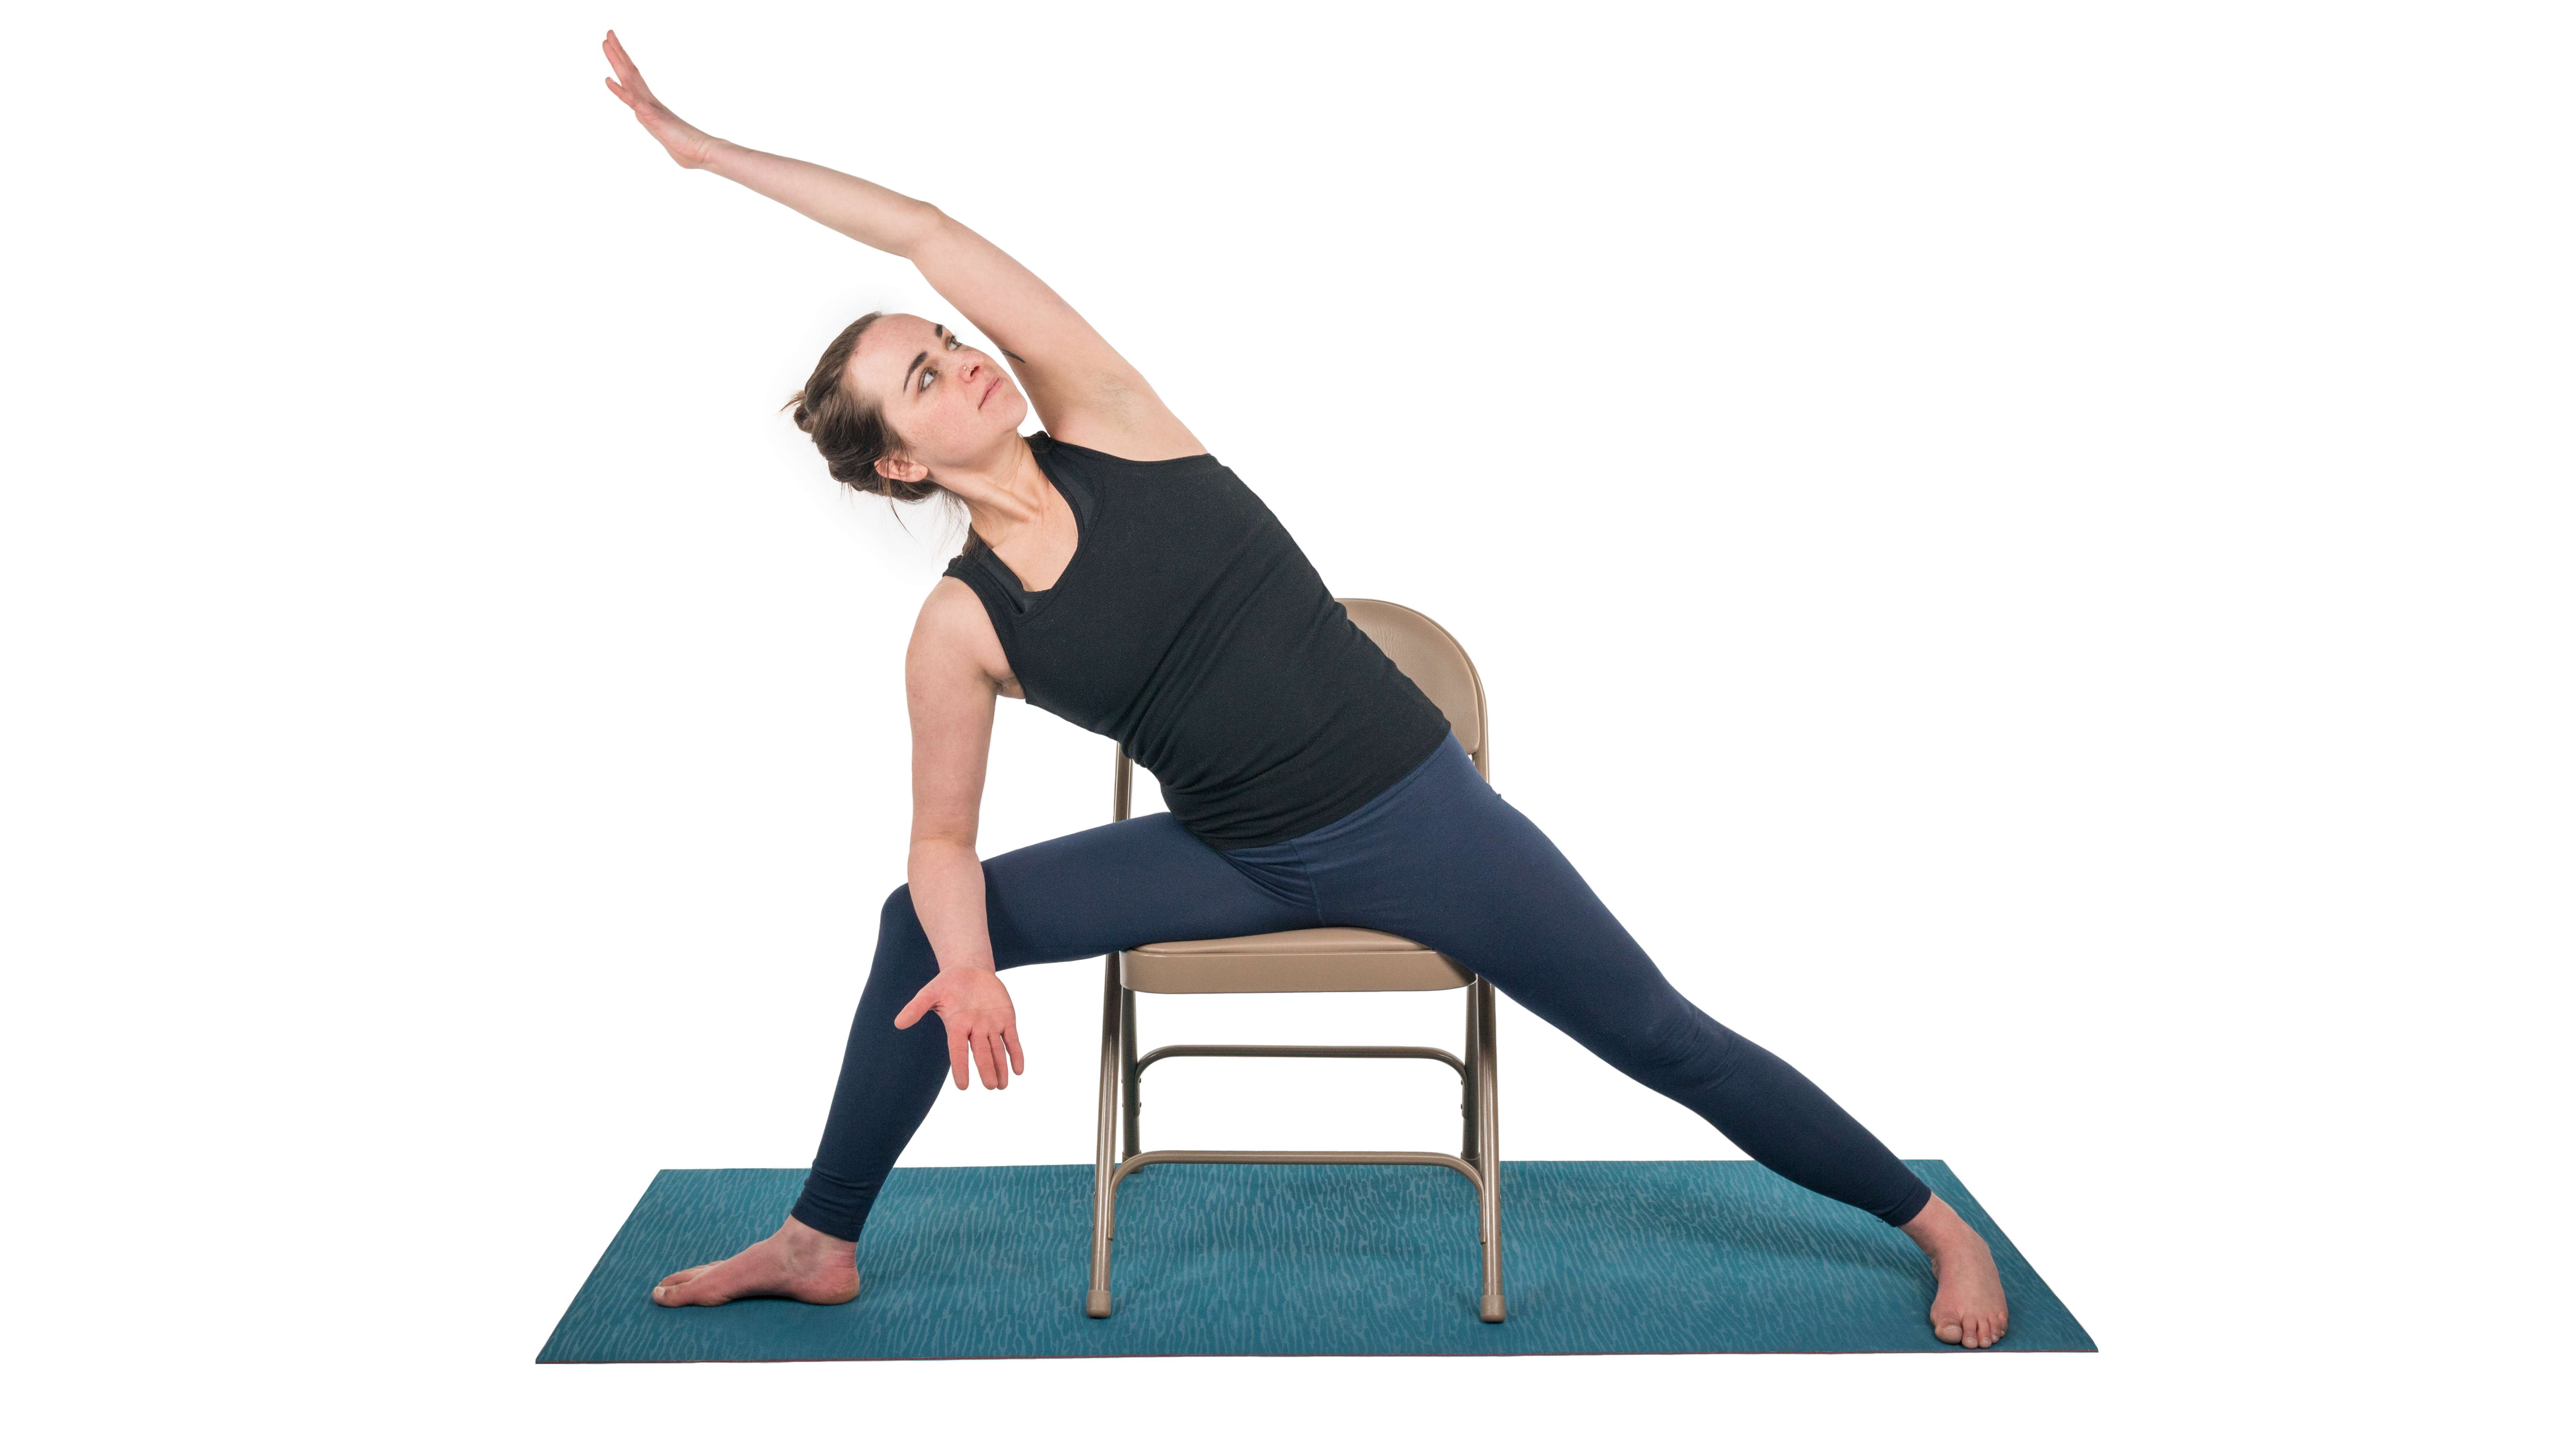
(627, 74)
(991, 1046)
(997, 1055)
(620, 61)
(629, 82)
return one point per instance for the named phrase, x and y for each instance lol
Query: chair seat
(1326, 958)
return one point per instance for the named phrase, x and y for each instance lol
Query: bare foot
(794, 1262)
(1969, 1305)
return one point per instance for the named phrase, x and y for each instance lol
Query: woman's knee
(899, 931)
(1679, 1049)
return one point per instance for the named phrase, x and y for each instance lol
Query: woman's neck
(1006, 498)
(1020, 516)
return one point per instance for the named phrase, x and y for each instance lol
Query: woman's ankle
(798, 1236)
(1937, 1227)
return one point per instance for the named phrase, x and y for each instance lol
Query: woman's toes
(686, 1295)
(674, 1291)
(1948, 1333)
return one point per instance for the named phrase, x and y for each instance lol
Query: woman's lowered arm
(949, 686)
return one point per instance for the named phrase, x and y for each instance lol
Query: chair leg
(1489, 1155)
(1467, 1085)
(1104, 1191)
(1127, 1072)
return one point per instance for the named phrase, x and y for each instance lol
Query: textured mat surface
(1598, 1257)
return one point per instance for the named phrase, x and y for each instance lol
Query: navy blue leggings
(1440, 859)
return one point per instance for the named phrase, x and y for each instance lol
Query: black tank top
(1189, 628)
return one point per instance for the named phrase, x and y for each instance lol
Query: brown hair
(849, 430)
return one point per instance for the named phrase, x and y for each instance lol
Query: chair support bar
(1428, 1054)
(1383, 1159)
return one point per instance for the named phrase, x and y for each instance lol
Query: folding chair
(1332, 958)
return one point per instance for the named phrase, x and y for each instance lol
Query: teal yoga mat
(1598, 1257)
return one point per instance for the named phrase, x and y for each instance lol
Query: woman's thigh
(1119, 886)
(1454, 866)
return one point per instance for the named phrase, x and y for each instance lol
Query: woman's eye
(953, 343)
(927, 374)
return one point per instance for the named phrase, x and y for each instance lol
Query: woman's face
(949, 402)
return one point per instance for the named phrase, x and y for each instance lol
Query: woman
(1118, 575)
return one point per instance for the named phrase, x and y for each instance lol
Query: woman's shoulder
(1122, 420)
(1049, 445)
(954, 600)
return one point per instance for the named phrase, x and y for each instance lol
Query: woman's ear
(900, 468)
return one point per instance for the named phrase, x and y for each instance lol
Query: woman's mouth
(988, 392)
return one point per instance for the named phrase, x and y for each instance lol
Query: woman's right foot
(1968, 1307)
(794, 1262)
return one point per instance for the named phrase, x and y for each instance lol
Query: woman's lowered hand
(975, 1007)
(687, 144)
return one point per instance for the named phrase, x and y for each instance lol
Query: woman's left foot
(794, 1262)
(1968, 1308)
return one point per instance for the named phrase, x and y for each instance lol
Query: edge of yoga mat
(1291, 1261)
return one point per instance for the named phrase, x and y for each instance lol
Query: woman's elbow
(925, 232)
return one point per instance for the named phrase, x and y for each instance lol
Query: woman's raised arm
(1084, 392)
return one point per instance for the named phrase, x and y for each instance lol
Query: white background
(2023, 549)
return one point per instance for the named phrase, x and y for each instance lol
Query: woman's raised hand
(976, 1008)
(687, 144)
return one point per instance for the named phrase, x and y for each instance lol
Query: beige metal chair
(1334, 958)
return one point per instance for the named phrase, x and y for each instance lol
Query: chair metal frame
(1121, 1070)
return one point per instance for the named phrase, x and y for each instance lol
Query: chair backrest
(1436, 665)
